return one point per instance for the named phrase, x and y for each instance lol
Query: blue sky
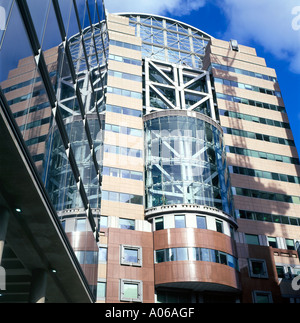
(271, 26)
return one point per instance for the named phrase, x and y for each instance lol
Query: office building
(166, 156)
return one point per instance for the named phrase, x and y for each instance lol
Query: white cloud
(158, 7)
(270, 23)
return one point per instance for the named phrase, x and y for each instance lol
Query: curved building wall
(194, 250)
(185, 161)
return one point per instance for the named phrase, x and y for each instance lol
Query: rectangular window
(182, 254)
(290, 244)
(201, 222)
(262, 297)
(258, 268)
(272, 242)
(219, 226)
(103, 222)
(125, 173)
(171, 254)
(131, 255)
(102, 255)
(179, 221)
(205, 254)
(80, 225)
(159, 223)
(127, 224)
(131, 290)
(194, 254)
(280, 271)
(251, 239)
(101, 290)
(223, 258)
(160, 255)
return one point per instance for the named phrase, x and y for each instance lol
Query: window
(258, 268)
(205, 254)
(80, 225)
(86, 257)
(102, 256)
(171, 254)
(179, 221)
(160, 255)
(201, 222)
(102, 222)
(280, 271)
(131, 290)
(223, 258)
(182, 254)
(251, 239)
(272, 242)
(262, 297)
(101, 290)
(290, 244)
(159, 223)
(127, 224)
(131, 255)
(219, 226)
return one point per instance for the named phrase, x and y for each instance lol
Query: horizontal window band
(254, 103)
(258, 136)
(195, 254)
(122, 197)
(247, 117)
(266, 217)
(271, 196)
(262, 155)
(264, 174)
(123, 151)
(247, 87)
(244, 72)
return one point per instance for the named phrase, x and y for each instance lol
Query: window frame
(264, 266)
(266, 293)
(159, 221)
(101, 281)
(139, 284)
(270, 245)
(203, 218)
(253, 235)
(220, 223)
(178, 222)
(288, 247)
(139, 262)
(100, 260)
(128, 226)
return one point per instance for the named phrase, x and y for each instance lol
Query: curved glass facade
(196, 254)
(61, 183)
(185, 162)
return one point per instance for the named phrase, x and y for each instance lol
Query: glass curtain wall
(170, 40)
(185, 162)
(52, 83)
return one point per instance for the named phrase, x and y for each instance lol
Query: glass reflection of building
(123, 116)
(54, 101)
